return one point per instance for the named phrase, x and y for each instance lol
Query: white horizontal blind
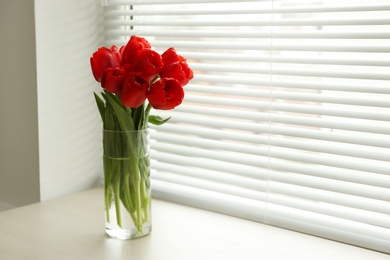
(287, 120)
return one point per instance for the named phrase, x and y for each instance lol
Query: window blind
(287, 121)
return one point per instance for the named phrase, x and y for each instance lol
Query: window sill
(72, 227)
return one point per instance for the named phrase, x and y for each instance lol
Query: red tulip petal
(166, 93)
(134, 90)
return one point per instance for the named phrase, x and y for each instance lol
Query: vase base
(126, 234)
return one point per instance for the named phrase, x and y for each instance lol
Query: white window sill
(73, 228)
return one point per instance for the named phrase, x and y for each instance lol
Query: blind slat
(303, 72)
(259, 159)
(309, 97)
(257, 46)
(355, 233)
(211, 200)
(293, 190)
(363, 216)
(294, 84)
(256, 35)
(226, 187)
(237, 188)
(305, 145)
(223, 10)
(353, 112)
(263, 172)
(229, 167)
(167, 2)
(254, 22)
(281, 59)
(317, 183)
(232, 179)
(321, 183)
(286, 130)
(360, 215)
(336, 139)
(300, 121)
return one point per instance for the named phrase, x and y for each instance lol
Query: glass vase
(127, 193)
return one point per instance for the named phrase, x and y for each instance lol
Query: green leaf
(110, 121)
(141, 120)
(114, 98)
(157, 120)
(124, 119)
(138, 116)
(100, 105)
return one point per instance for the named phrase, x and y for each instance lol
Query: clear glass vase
(127, 193)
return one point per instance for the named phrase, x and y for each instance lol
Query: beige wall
(67, 33)
(19, 167)
(49, 124)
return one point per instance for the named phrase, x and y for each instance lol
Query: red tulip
(175, 66)
(170, 56)
(133, 93)
(147, 62)
(113, 80)
(103, 59)
(179, 71)
(165, 94)
(133, 45)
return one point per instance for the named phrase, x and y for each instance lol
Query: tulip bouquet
(134, 79)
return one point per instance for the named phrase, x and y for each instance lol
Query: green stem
(145, 186)
(107, 201)
(116, 179)
(117, 203)
(108, 174)
(147, 111)
(137, 193)
(145, 201)
(127, 200)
